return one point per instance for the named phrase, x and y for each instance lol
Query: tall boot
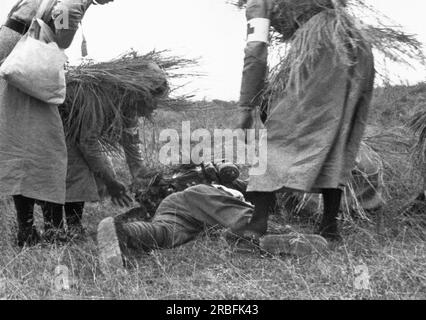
(264, 203)
(329, 226)
(116, 240)
(27, 233)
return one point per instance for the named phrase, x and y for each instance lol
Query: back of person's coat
(316, 124)
(33, 154)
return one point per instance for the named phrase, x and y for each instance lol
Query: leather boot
(329, 227)
(27, 233)
(118, 242)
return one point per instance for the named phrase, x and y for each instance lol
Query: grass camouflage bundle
(306, 25)
(100, 96)
(418, 126)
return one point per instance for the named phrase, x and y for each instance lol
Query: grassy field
(389, 252)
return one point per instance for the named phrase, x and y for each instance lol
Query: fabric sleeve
(131, 146)
(24, 11)
(94, 155)
(256, 56)
(67, 15)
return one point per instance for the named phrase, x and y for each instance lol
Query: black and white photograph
(212, 155)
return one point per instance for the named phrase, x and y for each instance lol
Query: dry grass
(211, 269)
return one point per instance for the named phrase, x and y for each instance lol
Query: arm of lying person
(67, 15)
(130, 142)
(255, 60)
(100, 165)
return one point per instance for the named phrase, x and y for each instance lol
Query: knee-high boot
(329, 227)
(27, 233)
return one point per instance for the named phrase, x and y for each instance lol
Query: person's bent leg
(144, 236)
(217, 207)
(329, 226)
(118, 240)
(27, 233)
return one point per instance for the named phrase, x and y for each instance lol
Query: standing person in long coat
(33, 154)
(90, 173)
(316, 122)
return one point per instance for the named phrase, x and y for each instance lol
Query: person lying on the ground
(365, 193)
(175, 179)
(181, 217)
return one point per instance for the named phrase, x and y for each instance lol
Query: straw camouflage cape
(319, 95)
(418, 126)
(101, 96)
(104, 102)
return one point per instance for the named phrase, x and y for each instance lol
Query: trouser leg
(147, 236)
(74, 214)
(329, 227)
(213, 207)
(27, 234)
(53, 216)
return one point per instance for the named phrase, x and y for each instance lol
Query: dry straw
(418, 126)
(101, 97)
(309, 25)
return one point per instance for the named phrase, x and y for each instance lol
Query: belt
(18, 26)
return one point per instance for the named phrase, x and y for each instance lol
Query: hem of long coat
(72, 200)
(100, 197)
(33, 195)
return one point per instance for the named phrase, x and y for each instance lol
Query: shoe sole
(297, 244)
(111, 259)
